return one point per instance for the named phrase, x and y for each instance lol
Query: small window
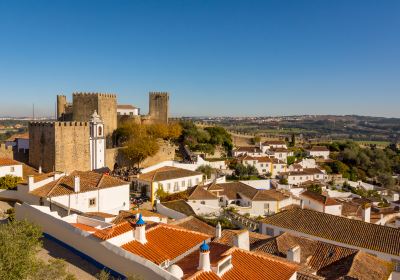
(203, 202)
(92, 202)
(12, 169)
(189, 182)
(183, 184)
(169, 186)
(176, 187)
(100, 131)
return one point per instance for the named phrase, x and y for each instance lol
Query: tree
(241, 170)
(315, 188)
(386, 180)
(290, 160)
(9, 182)
(19, 244)
(283, 181)
(207, 170)
(139, 149)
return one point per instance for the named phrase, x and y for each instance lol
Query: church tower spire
(97, 142)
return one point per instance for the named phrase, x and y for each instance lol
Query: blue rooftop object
(204, 246)
(140, 221)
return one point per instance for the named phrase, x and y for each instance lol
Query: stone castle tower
(159, 107)
(84, 104)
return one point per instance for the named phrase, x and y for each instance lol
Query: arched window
(100, 131)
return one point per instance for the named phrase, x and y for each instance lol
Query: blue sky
(215, 57)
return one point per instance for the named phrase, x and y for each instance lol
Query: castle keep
(59, 146)
(67, 144)
(84, 104)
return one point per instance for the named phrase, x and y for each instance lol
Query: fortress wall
(41, 145)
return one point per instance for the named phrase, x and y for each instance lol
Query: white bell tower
(97, 142)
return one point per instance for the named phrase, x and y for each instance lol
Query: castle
(68, 143)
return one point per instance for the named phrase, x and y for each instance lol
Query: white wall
(104, 252)
(14, 170)
(258, 184)
(127, 112)
(211, 207)
(324, 154)
(109, 200)
(168, 212)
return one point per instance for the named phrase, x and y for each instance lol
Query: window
(189, 182)
(12, 169)
(183, 184)
(100, 131)
(92, 202)
(169, 186)
(176, 187)
(131, 113)
(203, 202)
(262, 165)
(264, 170)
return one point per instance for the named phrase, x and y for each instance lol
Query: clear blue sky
(214, 57)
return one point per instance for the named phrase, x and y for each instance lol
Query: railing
(243, 221)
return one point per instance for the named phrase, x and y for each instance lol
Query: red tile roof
(322, 199)
(89, 181)
(167, 173)
(343, 230)
(8, 162)
(165, 242)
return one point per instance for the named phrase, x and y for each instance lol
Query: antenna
(33, 111)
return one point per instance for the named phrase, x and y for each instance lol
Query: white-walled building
(319, 152)
(127, 110)
(304, 175)
(267, 145)
(265, 164)
(170, 179)
(321, 203)
(279, 153)
(10, 167)
(248, 199)
(249, 151)
(81, 191)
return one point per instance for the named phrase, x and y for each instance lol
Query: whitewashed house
(170, 179)
(81, 191)
(127, 110)
(249, 151)
(321, 203)
(304, 175)
(279, 153)
(247, 199)
(319, 152)
(265, 165)
(10, 167)
(267, 145)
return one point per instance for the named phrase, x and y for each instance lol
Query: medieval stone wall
(59, 146)
(6, 152)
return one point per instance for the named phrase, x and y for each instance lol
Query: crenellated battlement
(53, 124)
(158, 93)
(5, 148)
(86, 94)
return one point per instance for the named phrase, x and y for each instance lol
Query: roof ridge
(55, 185)
(100, 181)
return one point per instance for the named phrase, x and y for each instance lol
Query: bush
(9, 182)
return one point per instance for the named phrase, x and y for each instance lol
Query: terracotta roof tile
(167, 173)
(125, 106)
(322, 199)
(227, 237)
(251, 265)
(192, 223)
(348, 231)
(89, 181)
(199, 193)
(165, 242)
(84, 227)
(8, 162)
(114, 230)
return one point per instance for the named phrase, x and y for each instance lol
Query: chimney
(204, 261)
(31, 182)
(40, 169)
(77, 184)
(293, 254)
(395, 196)
(366, 213)
(218, 231)
(242, 240)
(140, 230)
